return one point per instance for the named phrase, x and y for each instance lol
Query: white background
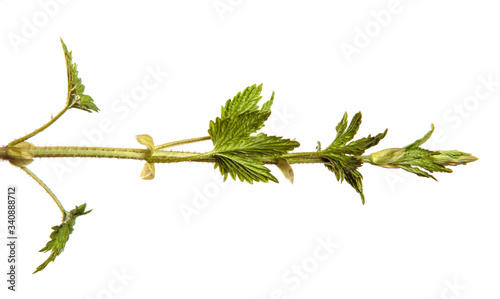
(421, 62)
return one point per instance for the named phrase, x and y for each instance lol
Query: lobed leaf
(345, 135)
(60, 235)
(260, 144)
(342, 158)
(235, 149)
(76, 98)
(422, 140)
(243, 167)
(245, 101)
(236, 126)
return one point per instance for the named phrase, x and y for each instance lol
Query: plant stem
(156, 157)
(45, 126)
(179, 142)
(41, 183)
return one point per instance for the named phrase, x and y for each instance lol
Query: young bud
(387, 156)
(452, 158)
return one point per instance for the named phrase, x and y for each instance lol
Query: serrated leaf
(236, 126)
(244, 168)
(76, 97)
(422, 140)
(60, 235)
(235, 149)
(345, 168)
(358, 147)
(260, 144)
(342, 125)
(341, 164)
(240, 116)
(267, 105)
(245, 101)
(355, 179)
(342, 155)
(345, 135)
(418, 171)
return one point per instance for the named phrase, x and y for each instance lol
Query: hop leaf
(236, 150)
(60, 235)
(242, 167)
(341, 157)
(344, 135)
(76, 98)
(245, 101)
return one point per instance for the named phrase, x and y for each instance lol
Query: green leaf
(419, 161)
(342, 158)
(345, 168)
(359, 146)
(236, 151)
(341, 164)
(245, 101)
(422, 140)
(267, 105)
(355, 179)
(236, 126)
(343, 135)
(240, 116)
(76, 98)
(418, 171)
(242, 167)
(60, 235)
(260, 144)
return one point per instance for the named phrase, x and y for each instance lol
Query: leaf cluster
(236, 148)
(423, 162)
(342, 155)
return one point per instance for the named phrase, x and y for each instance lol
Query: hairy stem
(179, 142)
(45, 126)
(156, 157)
(41, 183)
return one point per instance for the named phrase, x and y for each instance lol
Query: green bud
(387, 156)
(452, 158)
